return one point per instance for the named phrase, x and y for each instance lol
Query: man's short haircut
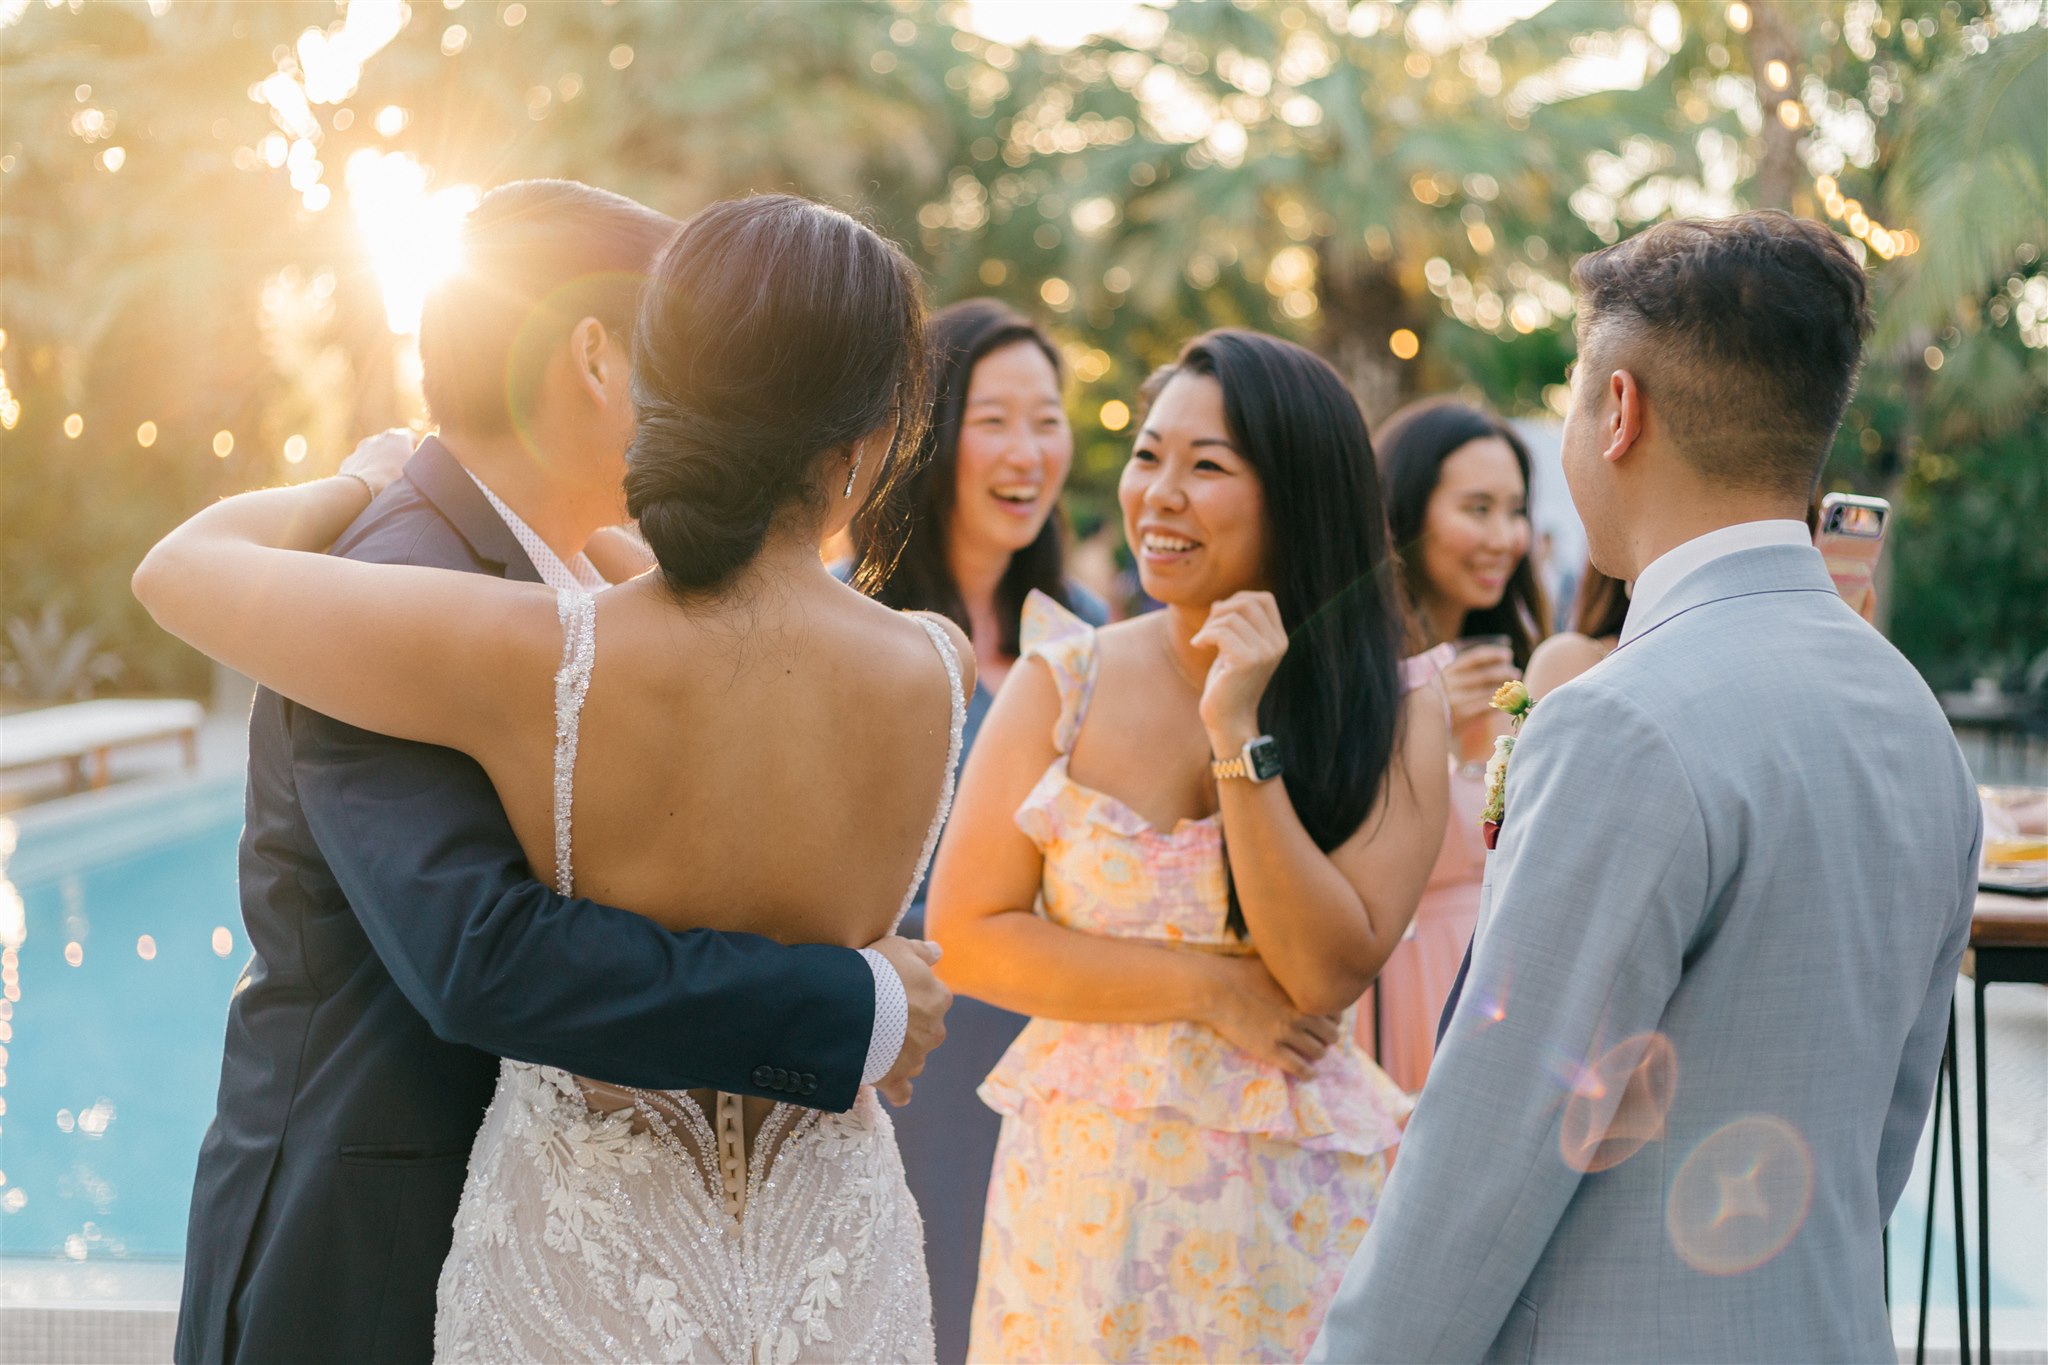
(538, 256)
(1745, 334)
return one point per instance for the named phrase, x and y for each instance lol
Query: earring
(851, 475)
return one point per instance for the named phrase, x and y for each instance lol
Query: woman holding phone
(1184, 846)
(1456, 482)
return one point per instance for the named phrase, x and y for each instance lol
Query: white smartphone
(1849, 536)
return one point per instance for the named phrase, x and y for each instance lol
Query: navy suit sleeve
(492, 958)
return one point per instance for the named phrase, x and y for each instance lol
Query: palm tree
(1972, 176)
(1298, 167)
(134, 253)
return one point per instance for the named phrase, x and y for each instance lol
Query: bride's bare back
(766, 762)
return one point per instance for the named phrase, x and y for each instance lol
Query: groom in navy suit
(401, 943)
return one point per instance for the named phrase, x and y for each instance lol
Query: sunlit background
(218, 219)
(217, 222)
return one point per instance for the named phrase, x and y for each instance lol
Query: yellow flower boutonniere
(1513, 699)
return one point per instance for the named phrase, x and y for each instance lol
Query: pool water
(120, 944)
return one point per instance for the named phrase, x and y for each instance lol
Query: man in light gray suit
(1718, 939)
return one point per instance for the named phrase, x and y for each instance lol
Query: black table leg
(1927, 1235)
(1983, 1184)
(1955, 1129)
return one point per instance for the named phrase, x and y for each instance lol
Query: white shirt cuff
(892, 1018)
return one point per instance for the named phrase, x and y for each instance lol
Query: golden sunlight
(411, 235)
(1054, 23)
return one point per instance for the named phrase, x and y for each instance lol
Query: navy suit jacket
(401, 947)
(1443, 1022)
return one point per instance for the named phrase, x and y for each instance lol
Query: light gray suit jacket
(1749, 832)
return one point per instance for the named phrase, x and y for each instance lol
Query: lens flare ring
(1741, 1196)
(1618, 1104)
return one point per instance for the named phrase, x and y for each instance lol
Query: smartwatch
(1260, 762)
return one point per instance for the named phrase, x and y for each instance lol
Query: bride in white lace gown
(646, 1233)
(747, 745)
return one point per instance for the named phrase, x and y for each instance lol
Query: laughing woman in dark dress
(985, 532)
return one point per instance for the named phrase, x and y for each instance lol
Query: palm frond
(1972, 177)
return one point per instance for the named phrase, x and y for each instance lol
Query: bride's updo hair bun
(773, 331)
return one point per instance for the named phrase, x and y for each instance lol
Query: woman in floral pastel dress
(1185, 845)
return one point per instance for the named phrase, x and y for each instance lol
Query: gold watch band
(1222, 769)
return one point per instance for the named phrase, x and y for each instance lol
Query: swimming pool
(120, 943)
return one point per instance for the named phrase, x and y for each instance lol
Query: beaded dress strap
(577, 611)
(943, 643)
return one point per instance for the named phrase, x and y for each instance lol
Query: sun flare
(411, 234)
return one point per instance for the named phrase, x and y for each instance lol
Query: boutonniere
(1513, 699)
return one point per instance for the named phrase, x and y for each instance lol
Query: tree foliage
(182, 258)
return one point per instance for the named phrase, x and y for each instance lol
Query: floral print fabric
(1159, 1194)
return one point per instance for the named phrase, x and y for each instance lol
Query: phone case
(1850, 539)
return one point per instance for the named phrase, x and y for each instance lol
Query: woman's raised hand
(1470, 681)
(378, 459)
(1246, 632)
(1251, 1011)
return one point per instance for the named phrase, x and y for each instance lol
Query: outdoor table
(2008, 944)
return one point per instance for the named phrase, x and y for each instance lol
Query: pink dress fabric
(1417, 979)
(1157, 1193)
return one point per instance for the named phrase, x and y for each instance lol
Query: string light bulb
(1888, 243)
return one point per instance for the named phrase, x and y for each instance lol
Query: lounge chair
(88, 731)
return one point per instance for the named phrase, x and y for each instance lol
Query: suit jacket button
(781, 1078)
(810, 1085)
(764, 1076)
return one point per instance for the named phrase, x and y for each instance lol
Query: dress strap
(1420, 669)
(577, 611)
(950, 656)
(1066, 645)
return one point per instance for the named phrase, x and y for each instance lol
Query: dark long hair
(1599, 604)
(1413, 444)
(958, 337)
(774, 331)
(1334, 704)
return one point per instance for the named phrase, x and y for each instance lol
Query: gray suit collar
(1746, 573)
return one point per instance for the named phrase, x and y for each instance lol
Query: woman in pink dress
(1184, 845)
(1456, 483)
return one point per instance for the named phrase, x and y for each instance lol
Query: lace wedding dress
(649, 1232)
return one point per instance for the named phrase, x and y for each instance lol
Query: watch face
(1265, 759)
